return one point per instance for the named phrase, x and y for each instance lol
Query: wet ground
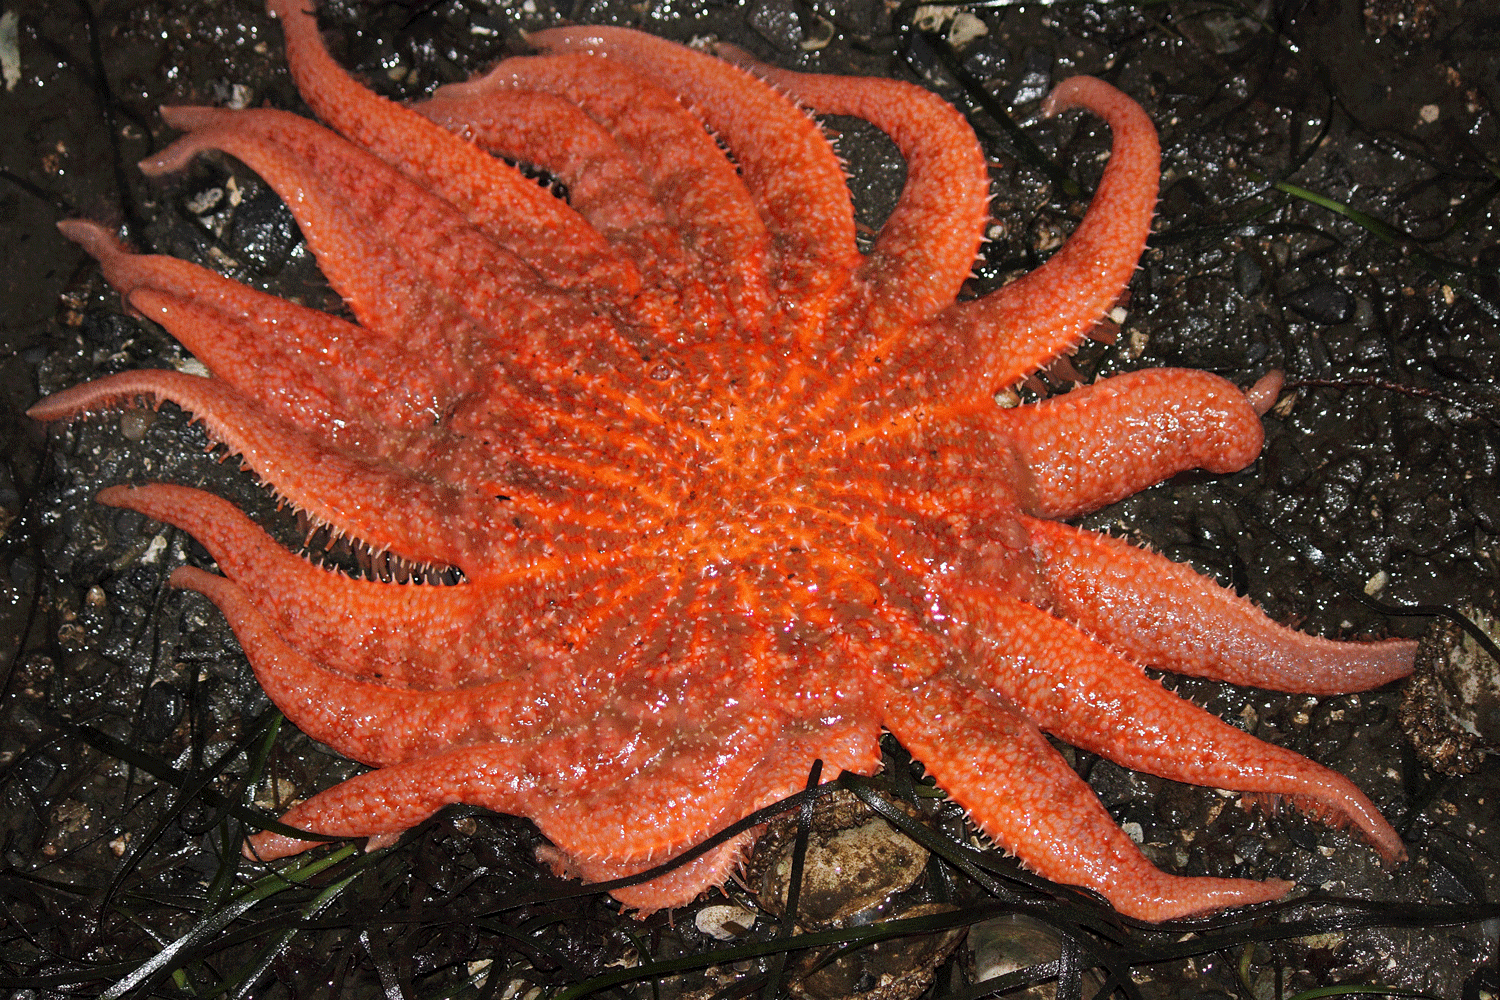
(1328, 209)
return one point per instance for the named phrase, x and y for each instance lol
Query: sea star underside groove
(722, 495)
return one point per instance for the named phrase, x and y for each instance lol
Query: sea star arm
(604, 186)
(1106, 441)
(425, 637)
(1021, 327)
(424, 522)
(385, 803)
(849, 744)
(605, 788)
(553, 133)
(926, 248)
(996, 764)
(1074, 688)
(677, 887)
(785, 163)
(364, 720)
(352, 384)
(406, 263)
(684, 168)
(496, 196)
(315, 370)
(1163, 613)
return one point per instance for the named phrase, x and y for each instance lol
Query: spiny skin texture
(727, 496)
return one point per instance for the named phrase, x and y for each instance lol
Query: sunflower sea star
(723, 495)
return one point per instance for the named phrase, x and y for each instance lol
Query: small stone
(965, 29)
(1325, 303)
(724, 922)
(987, 58)
(1014, 942)
(1451, 709)
(1248, 275)
(1036, 78)
(778, 22)
(848, 871)
(135, 422)
(161, 710)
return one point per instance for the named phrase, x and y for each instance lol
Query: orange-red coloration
(727, 496)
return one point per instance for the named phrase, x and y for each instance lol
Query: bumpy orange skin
(727, 496)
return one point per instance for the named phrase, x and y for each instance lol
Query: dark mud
(131, 722)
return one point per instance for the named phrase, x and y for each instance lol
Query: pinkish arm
(714, 221)
(1021, 327)
(385, 803)
(1079, 691)
(495, 196)
(1018, 789)
(1165, 614)
(424, 637)
(1106, 441)
(423, 522)
(382, 240)
(784, 160)
(317, 371)
(365, 720)
(926, 248)
(530, 126)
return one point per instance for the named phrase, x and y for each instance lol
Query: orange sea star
(726, 495)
